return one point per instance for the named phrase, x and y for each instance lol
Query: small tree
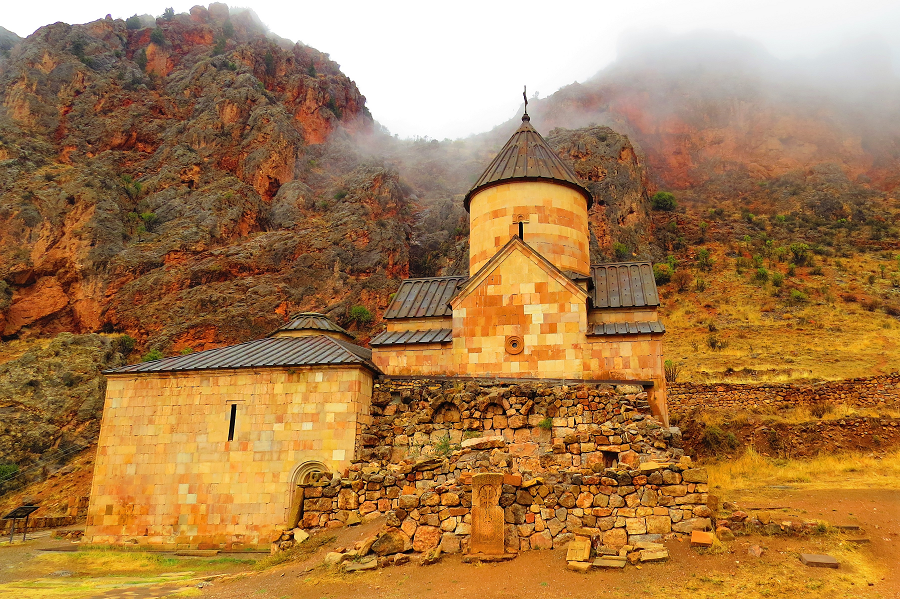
(671, 369)
(360, 315)
(663, 200)
(620, 250)
(133, 22)
(662, 274)
(168, 14)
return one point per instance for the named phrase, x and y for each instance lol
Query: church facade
(208, 449)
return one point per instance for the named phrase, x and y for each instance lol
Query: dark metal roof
(314, 350)
(624, 285)
(527, 157)
(421, 298)
(409, 337)
(312, 321)
(627, 328)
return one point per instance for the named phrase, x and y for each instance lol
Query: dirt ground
(867, 571)
(870, 570)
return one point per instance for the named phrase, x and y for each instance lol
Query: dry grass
(769, 340)
(832, 471)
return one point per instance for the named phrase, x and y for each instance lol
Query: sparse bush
(663, 200)
(703, 228)
(797, 297)
(704, 261)
(761, 276)
(360, 315)
(168, 14)
(228, 29)
(871, 304)
(791, 270)
(714, 343)
(546, 424)
(817, 271)
(820, 408)
(717, 441)
(140, 58)
(699, 285)
(153, 354)
(662, 274)
(682, 280)
(125, 344)
(777, 279)
(672, 370)
(133, 22)
(620, 250)
(892, 309)
(443, 446)
(800, 252)
(340, 194)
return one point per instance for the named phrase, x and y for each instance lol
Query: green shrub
(7, 471)
(662, 274)
(443, 446)
(671, 370)
(546, 424)
(140, 57)
(699, 285)
(153, 354)
(340, 194)
(228, 29)
(704, 261)
(133, 22)
(717, 440)
(762, 275)
(620, 250)
(158, 37)
(168, 14)
(800, 252)
(663, 200)
(125, 344)
(360, 315)
(777, 279)
(797, 297)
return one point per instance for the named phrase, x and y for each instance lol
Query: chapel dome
(311, 323)
(527, 157)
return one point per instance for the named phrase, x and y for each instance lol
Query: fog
(449, 70)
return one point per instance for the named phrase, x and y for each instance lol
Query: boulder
(427, 537)
(392, 541)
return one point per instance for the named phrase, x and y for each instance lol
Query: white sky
(456, 67)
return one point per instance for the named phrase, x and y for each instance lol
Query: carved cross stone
(488, 522)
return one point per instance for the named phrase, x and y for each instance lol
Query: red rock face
(133, 162)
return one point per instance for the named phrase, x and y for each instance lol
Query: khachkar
(488, 522)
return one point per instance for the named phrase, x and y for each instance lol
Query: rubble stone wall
(543, 425)
(428, 503)
(874, 391)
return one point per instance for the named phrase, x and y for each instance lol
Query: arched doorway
(304, 474)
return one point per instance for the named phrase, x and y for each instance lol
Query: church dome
(311, 323)
(527, 157)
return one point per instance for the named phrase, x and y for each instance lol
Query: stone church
(207, 449)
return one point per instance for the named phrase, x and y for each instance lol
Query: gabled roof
(516, 244)
(312, 321)
(422, 298)
(411, 337)
(527, 157)
(623, 285)
(314, 350)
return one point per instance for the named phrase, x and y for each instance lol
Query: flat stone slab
(818, 561)
(654, 555)
(578, 566)
(484, 442)
(579, 550)
(471, 558)
(701, 538)
(360, 566)
(858, 540)
(197, 553)
(609, 562)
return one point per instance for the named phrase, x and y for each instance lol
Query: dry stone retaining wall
(864, 392)
(428, 504)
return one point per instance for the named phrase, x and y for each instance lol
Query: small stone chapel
(208, 449)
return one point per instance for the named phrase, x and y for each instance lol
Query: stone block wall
(166, 474)
(874, 391)
(428, 503)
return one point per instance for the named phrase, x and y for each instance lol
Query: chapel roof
(312, 321)
(527, 157)
(623, 285)
(425, 297)
(314, 350)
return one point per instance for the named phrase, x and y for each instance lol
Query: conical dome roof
(527, 157)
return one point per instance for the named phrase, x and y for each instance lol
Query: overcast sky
(450, 69)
